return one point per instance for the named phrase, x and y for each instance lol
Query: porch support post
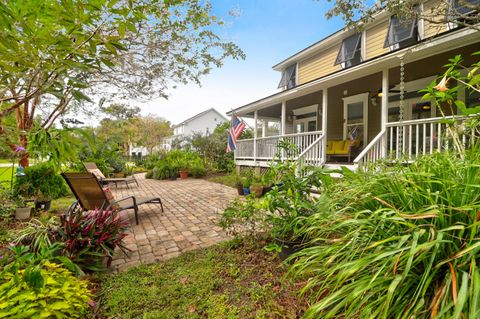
(324, 122)
(255, 124)
(264, 128)
(384, 114)
(284, 122)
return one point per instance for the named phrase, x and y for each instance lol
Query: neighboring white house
(203, 123)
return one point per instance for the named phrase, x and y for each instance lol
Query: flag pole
(234, 113)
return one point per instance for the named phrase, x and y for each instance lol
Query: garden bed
(231, 280)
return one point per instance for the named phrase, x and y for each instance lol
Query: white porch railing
(314, 155)
(267, 147)
(407, 140)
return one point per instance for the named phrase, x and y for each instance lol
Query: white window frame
(362, 97)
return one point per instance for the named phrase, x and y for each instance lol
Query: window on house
(464, 10)
(350, 53)
(288, 77)
(401, 32)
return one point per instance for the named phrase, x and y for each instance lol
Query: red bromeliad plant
(91, 237)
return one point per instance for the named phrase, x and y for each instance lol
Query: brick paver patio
(192, 209)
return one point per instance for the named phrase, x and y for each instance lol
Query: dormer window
(350, 53)
(289, 75)
(463, 11)
(401, 33)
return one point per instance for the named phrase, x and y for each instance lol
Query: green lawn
(230, 280)
(225, 179)
(5, 176)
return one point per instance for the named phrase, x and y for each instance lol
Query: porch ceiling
(275, 111)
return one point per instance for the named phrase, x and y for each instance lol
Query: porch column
(284, 122)
(255, 116)
(264, 128)
(324, 122)
(384, 114)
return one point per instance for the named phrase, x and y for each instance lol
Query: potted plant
(246, 186)
(183, 173)
(22, 211)
(256, 187)
(239, 186)
(42, 202)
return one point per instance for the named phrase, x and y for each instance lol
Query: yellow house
(352, 97)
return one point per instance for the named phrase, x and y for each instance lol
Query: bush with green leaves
(32, 286)
(169, 165)
(397, 242)
(41, 181)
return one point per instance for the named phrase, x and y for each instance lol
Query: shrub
(41, 181)
(170, 164)
(397, 242)
(91, 237)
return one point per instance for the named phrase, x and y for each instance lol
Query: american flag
(236, 128)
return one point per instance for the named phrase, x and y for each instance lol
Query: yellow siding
(431, 28)
(376, 39)
(318, 65)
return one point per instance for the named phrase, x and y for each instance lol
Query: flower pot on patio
(256, 189)
(119, 175)
(239, 187)
(183, 174)
(43, 204)
(22, 213)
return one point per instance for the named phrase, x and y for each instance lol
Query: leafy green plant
(244, 217)
(397, 242)
(45, 291)
(169, 165)
(41, 181)
(91, 237)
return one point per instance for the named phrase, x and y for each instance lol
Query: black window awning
(288, 77)
(401, 30)
(457, 8)
(349, 49)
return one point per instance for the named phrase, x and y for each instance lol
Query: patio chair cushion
(98, 173)
(338, 147)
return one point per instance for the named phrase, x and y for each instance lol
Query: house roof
(444, 42)
(199, 115)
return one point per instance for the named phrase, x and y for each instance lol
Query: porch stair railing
(313, 155)
(404, 141)
(374, 151)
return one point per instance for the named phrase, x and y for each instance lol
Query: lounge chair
(90, 195)
(92, 168)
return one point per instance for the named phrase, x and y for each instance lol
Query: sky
(268, 31)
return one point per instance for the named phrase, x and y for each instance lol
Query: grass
(6, 176)
(228, 179)
(230, 280)
(61, 204)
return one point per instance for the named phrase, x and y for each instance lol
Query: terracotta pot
(257, 190)
(184, 174)
(22, 213)
(119, 175)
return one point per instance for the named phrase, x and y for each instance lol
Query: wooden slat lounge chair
(92, 168)
(90, 195)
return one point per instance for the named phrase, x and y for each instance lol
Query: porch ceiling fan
(379, 92)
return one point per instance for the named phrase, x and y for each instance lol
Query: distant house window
(465, 11)
(288, 77)
(350, 53)
(401, 33)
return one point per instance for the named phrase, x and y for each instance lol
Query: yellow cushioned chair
(338, 147)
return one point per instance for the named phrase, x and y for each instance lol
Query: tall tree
(55, 54)
(356, 13)
(151, 130)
